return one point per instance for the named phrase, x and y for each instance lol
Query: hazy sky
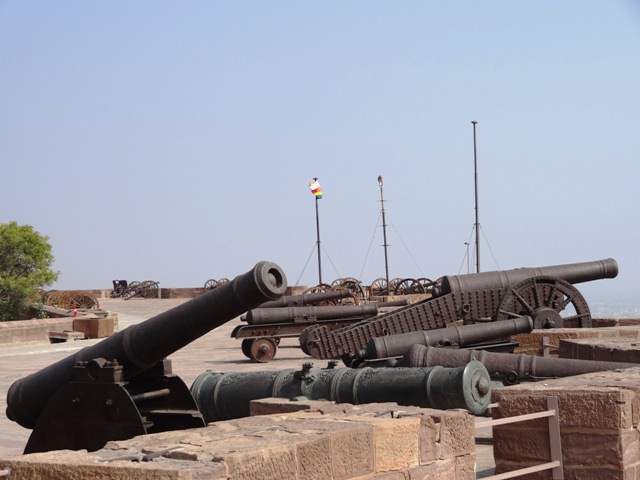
(175, 141)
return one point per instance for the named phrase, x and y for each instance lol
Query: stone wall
(39, 330)
(321, 441)
(599, 414)
(533, 343)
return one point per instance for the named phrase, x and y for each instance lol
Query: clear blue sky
(174, 141)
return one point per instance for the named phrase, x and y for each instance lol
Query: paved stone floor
(216, 351)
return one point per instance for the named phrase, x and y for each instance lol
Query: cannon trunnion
(123, 386)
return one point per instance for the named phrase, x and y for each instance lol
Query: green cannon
(223, 396)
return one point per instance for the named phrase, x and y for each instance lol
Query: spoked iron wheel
(379, 288)
(409, 286)
(551, 303)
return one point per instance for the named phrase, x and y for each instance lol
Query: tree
(25, 265)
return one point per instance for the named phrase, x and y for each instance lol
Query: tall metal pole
(384, 234)
(318, 239)
(477, 225)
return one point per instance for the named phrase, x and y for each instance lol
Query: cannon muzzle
(139, 347)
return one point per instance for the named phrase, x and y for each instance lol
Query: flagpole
(475, 168)
(315, 179)
(384, 234)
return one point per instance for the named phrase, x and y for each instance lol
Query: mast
(477, 224)
(384, 233)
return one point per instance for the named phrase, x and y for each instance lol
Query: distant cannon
(123, 386)
(546, 294)
(223, 396)
(327, 297)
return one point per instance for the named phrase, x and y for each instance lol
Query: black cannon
(123, 386)
(546, 294)
(223, 396)
(308, 313)
(267, 325)
(391, 346)
(313, 298)
(510, 368)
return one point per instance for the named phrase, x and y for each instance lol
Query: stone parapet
(321, 441)
(99, 325)
(533, 343)
(599, 414)
(609, 350)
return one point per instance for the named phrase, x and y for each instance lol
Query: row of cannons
(124, 386)
(329, 327)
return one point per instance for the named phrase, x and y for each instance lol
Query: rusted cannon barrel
(571, 272)
(398, 345)
(223, 396)
(310, 298)
(308, 314)
(141, 346)
(524, 366)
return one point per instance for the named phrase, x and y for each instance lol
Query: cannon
(546, 294)
(224, 396)
(391, 346)
(308, 314)
(509, 367)
(123, 386)
(313, 298)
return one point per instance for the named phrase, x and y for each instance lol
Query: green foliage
(25, 265)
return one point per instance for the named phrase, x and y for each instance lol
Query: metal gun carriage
(290, 315)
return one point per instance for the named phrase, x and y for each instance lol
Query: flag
(316, 189)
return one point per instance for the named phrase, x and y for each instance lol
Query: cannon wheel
(355, 287)
(210, 284)
(263, 349)
(321, 287)
(427, 284)
(408, 286)
(378, 287)
(246, 346)
(550, 301)
(350, 300)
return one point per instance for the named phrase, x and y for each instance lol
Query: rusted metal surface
(546, 294)
(69, 396)
(223, 396)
